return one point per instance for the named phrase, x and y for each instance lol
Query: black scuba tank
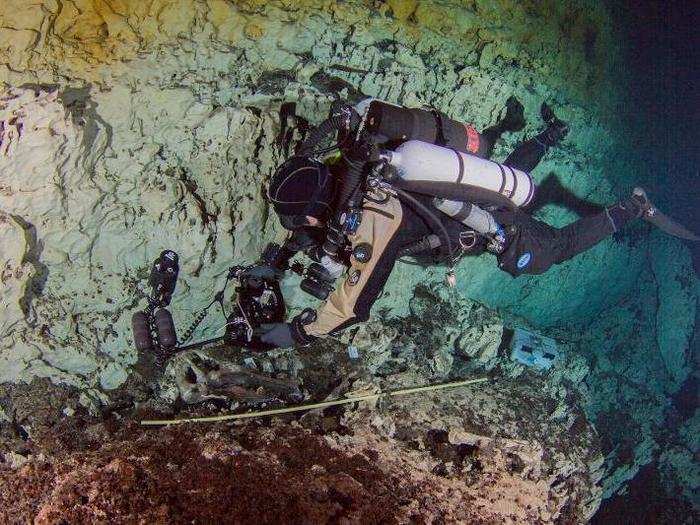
(396, 124)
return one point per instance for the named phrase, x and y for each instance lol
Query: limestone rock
(478, 440)
(17, 273)
(678, 463)
(505, 450)
(374, 342)
(635, 365)
(174, 148)
(128, 127)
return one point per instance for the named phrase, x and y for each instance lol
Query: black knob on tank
(141, 332)
(165, 328)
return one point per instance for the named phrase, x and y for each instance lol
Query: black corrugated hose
(324, 129)
(433, 218)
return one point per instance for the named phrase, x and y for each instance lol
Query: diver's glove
(273, 262)
(287, 335)
(278, 335)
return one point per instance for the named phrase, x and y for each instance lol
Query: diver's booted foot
(547, 113)
(515, 118)
(639, 204)
(636, 206)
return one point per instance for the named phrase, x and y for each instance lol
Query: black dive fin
(668, 225)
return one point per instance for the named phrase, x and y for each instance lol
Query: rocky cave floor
(517, 448)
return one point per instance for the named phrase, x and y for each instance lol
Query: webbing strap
(439, 131)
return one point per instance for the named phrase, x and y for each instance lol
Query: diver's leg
(551, 191)
(585, 233)
(534, 246)
(528, 154)
(513, 121)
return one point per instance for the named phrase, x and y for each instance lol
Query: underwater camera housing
(154, 327)
(163, 277)
(259, 301)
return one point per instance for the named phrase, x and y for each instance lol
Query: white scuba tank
(420, 161)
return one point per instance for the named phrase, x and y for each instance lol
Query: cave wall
(129, 127)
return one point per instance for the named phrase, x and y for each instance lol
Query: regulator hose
(324, 129)
(455, 191)
(349, 198)
(423, 209)
(350, 184)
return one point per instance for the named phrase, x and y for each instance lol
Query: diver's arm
(284, 254)
(297, 242)
(353, 299)
(382, 231)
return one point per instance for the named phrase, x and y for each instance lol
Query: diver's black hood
(301, 186)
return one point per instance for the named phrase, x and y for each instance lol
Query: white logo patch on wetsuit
(524, 260)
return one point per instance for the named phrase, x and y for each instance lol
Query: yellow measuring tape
(312, 406)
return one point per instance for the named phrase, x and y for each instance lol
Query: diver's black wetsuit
(533, 243)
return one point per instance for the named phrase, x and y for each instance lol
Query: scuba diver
(403, 183)
(444, 198)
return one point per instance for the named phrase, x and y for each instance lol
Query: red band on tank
(472, 139)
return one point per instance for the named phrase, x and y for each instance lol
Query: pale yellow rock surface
(485, 457)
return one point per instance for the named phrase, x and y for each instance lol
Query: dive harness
(367, 170)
